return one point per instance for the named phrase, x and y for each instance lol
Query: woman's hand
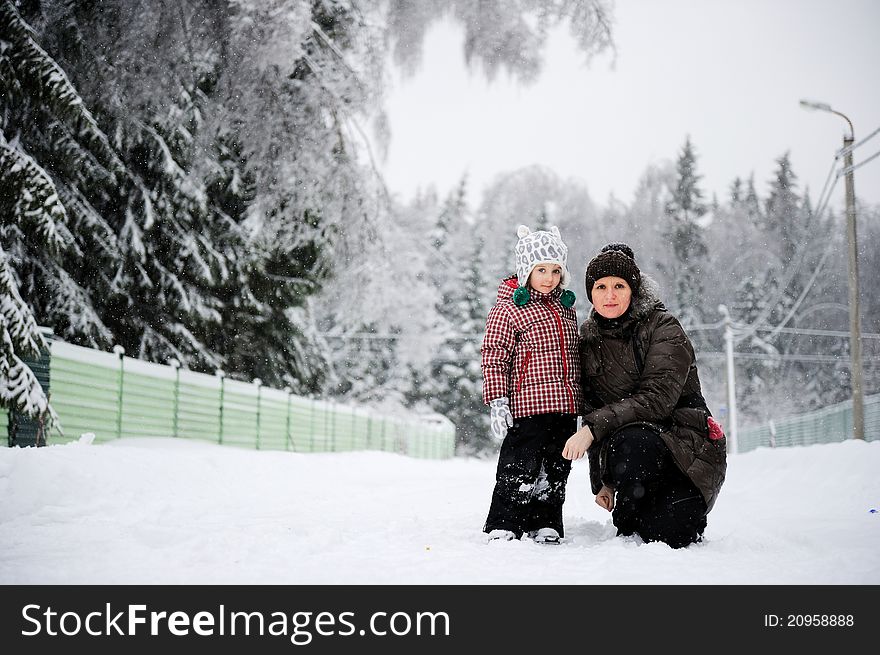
(605, 498)
(578, 443)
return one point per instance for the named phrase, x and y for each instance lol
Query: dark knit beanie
(615, 259)
(622, 247)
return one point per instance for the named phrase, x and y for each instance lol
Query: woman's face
(611, 296)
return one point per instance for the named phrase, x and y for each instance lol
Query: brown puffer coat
(640, 369)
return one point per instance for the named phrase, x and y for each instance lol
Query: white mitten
(502, 419)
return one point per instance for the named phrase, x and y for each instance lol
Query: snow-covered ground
(162, 511)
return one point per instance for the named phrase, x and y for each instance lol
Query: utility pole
(855, 337)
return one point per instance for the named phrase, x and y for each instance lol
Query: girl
(531, 382)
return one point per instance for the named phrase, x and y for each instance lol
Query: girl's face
(545, 277)
(611, 296)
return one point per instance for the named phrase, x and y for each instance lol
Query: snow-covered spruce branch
(29, 197)
(33, 65)
(19, 387)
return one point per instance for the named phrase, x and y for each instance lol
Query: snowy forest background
(194, 180)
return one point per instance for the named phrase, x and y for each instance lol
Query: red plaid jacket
(530, 354)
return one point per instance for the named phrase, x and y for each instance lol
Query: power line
(859, 165)
(812, 332)
(844, 151)
(842, 359)
(696, 328)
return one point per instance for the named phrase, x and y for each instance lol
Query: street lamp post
(733, 436)
(855, 337)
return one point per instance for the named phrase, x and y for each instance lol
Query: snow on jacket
(530, 354)
(664, 392)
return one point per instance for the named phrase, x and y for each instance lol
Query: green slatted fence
(827, 425)
(114, 396)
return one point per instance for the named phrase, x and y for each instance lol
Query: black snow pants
(654, 498)
(531, 476)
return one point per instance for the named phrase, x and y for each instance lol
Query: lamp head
(821, 106)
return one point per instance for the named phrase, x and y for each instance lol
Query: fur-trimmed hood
(642, 304)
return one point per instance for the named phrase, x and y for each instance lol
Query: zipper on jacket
(562, 350)
(522, 370)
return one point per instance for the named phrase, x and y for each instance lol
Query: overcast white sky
(728, 72)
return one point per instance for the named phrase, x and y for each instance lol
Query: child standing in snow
(531, 382)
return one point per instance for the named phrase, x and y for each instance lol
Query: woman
(650, 437)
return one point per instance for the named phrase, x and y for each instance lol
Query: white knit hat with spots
(541, 247)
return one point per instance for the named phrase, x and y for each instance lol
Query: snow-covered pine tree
(135, 247)
(298, 98)
(684, 238)
(640, 224)
(453, 384)
(820, 272)
(730, 224)
(752, 203)
(50, 148)
(780, 259)
(463, 395)
(747, 287)
(752, 278)
(736, 192)
(775, 291)
(164, 291)
(28, 203)
(29, 211)
(782, 210)
(44, 119)
(385, 287)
